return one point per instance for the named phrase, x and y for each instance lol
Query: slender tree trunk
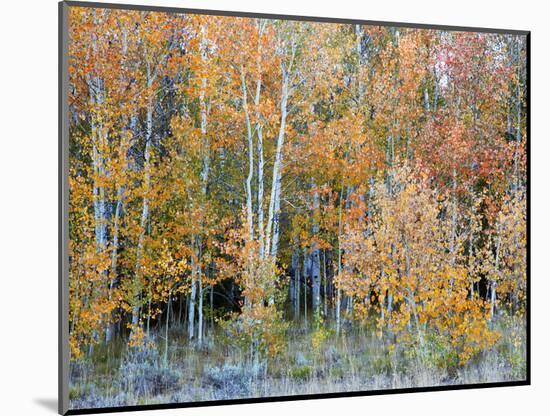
(249, 138)
(260, 147)
(196, 277)
(260, 144)
(306, 272)
(272, 232)
(325, 283)
(96, 89)
(315, 260)
(167, 326)
(95, 86)
(192, 298)
(138, 284)
(114, 254)
(200, 319)
(296, 279)
(493, 282)
(292, 285)
(212, 308)
(123, 150)
(338, 290)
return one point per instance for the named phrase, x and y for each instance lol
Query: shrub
(381, 364)
(92, 397)
(332, 355)
(259, 331)
(301, 373)
(232, 380)
(320, 335)
(300, 359)
(79, 369)
(143, 372)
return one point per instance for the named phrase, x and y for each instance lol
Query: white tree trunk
(493, 282)
(338, 290)
(295, 281)
(138, 285)
(325, 283)
(201, 298)
(167, 325)
(260, 150)
(196, 277)
(260, 145)
(305, 273)
(95, 86)
(315, 261)
(191, 303)
(272, 233)
(249, 214)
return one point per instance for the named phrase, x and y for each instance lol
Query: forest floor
(356, 360)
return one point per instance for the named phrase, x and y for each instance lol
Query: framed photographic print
(264, 208)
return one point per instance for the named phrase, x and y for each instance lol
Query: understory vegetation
(358, 360)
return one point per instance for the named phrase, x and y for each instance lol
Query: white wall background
(28, 205)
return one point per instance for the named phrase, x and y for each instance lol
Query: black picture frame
(63, 202)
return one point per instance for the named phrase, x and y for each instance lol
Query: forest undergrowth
(356, 360)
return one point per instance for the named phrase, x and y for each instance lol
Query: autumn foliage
(235, 179)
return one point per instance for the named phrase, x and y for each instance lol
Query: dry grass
(357, 360)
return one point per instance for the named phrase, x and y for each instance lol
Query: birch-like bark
(315, 260)
(292, 283)
(167, 325)
(123, 149)
(95, 86)
(493, 282)
(260, 143)
(100, 207)
(191, 303)
(124, 146)
(114, 253)
(305, 273)
(261, 163)
(338, 290)
(295, 281)
(200, 326)
(96, 89)
(325, 282)
(196, 277)
(274, 202)
(138, 285)
(272, 232)
(249, 138)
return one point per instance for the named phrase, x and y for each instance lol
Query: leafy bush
(320, 335)
(260, 331)
(301, 373)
